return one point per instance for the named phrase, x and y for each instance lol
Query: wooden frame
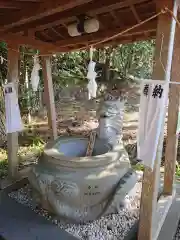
(172, 138)
(12, 138)
(49, 93)
(151, 214)
(32, 24)
(57, 15)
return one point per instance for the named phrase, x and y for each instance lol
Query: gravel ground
(111, 227)
(177, 235)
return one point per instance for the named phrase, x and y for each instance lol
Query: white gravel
(177, 235)
(111, 227)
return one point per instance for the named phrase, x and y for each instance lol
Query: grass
(35, 149)
(3, 168)
(178, 170)
(140, 167)
(25, 153)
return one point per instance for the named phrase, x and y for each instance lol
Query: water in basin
(76, 147)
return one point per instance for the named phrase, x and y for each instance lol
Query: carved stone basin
(72, 147)
(74, 186)
(83, 188)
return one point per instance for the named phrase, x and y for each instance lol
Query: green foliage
(3, 168)
(37, 142)
(70, 69)
(3, 63)
(116, 68)
(138, 167)
(135, 59)
(116, 65)
(178, 169)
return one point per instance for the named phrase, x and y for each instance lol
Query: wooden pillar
(161, 71)
(173, 110)
(12, 138)
(49, 95)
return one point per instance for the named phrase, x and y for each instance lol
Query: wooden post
(12, 138)
(173, 110)
(49, 95)
(161, 71)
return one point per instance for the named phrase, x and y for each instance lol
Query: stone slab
(171, 222)
(8, 186)
(133, 233)
(162, 211)
(18, 222)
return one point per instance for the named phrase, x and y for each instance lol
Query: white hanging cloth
(91, 76)
(12, 112)
(92, 85)
(35, 74)
(152, 110)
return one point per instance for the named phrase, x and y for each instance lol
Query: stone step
(18, 222)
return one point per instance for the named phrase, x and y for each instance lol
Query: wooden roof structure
(42, 24)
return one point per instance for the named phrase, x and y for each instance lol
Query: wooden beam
(36, 1)
(133, 9)
(129, 38)
(57, 33)
(43, 36)
(173, 111)
(43, 9)
(49, 95)
(121, 40)
(29, 41)
(162, 71)
(114, 6)
(150, 26)
(12, 138)
(16, 5)
(113, 14)
(90, 9)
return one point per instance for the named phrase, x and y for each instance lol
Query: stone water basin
(76, 187)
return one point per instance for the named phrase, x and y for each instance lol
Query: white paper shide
(152, 110)
(91, 76)
(12, 112)
(35, 74)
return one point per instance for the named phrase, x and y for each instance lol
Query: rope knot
(164, 10)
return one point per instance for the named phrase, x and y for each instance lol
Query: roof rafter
(44, 9)
(23, 40)
(150, 26)
(114, 16)
(44, 27)
(133, 9)
(16, 5)
(99, 7)
(57, 33)
(123, 40)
